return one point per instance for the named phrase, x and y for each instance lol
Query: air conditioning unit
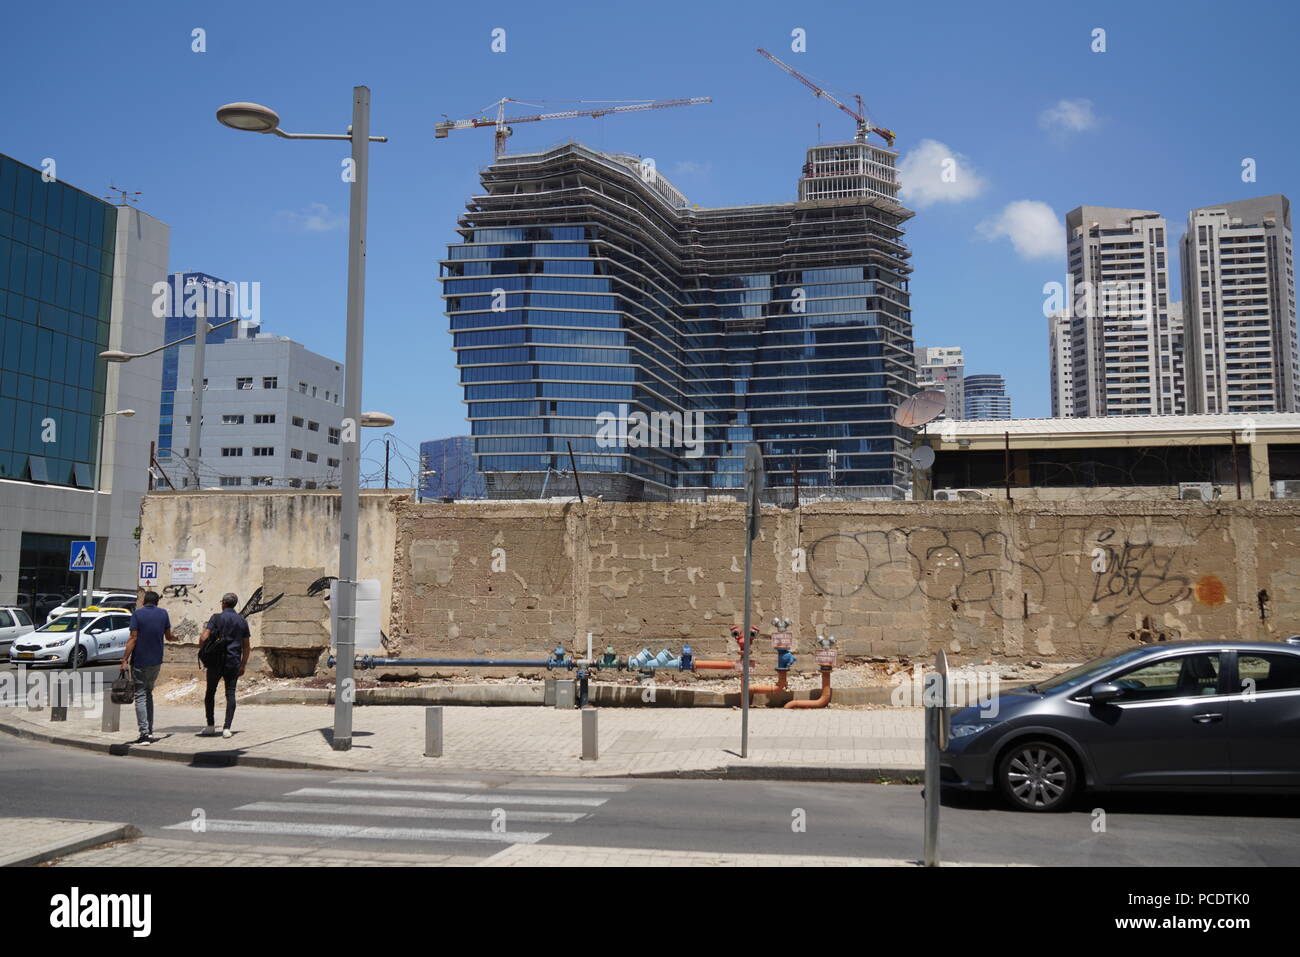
(960, 495)
(1198, 491)
(946, 495)
(1286, 488)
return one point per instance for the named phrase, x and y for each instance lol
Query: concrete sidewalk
(28, 841)
(824, 744)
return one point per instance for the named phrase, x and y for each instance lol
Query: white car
(98, 599)
(104, 634)
(14, 623)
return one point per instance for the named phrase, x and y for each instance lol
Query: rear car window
(1268, 672)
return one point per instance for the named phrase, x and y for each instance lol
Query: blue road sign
(82, 557)
(148, 571)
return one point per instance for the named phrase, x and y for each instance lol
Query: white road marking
(450, 797)
(352, 831)
(451, 813)
(550, 786)
(416, 782)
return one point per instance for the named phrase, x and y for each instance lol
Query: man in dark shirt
(144, 656)
(231, 626)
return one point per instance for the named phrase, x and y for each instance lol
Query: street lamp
(255, 118)
(94, 527)
(196, 379)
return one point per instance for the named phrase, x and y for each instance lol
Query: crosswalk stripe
(549, 786)
(413, 782)
(451, 797)
(450, 813)
(354, 831)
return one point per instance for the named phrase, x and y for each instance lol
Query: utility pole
(385, 465)
(753, 486)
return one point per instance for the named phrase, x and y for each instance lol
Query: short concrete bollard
(548, 692)
(433, 732)
(590, 752)
(111, 719)
(60, 693)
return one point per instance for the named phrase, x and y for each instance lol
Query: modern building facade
(188, 294)
(76, 278)
(943, 368)
(1061, 363)
(1240, 312)
(272, 414)
(1118, 302)
(447, 469)
(986, 397)
(593, 308)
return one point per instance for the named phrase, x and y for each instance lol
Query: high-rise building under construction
(594, 309)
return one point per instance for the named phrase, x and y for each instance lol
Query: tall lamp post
(254, 118)
(86, 583)
(196, 384)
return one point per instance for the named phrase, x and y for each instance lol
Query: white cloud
(1068, 116)
(933, 173)
(316, 218)
(1032, 227)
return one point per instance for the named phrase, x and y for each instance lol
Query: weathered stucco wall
(234, 536)
(980, 579)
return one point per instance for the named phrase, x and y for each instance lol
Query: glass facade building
(452, 462)
(986, 397)
(56, 280)
(593, 309)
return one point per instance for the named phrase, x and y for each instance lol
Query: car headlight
(966, 730)
(58, 644)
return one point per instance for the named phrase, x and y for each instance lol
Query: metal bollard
(111, 718)
(433, 732)
(589, 750)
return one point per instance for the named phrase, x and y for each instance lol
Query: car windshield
(1082, 674)
(69, 623)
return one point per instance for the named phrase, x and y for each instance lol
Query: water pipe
(826, 659)
(370, 661)
(781, 642)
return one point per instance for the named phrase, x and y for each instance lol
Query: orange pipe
(768, 689)
(819, 702)
(717, 665)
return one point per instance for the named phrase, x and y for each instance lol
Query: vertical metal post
(350, 492)
(574, 465)
(433, 732)
(196, 392)
(935, 700)
(1236, 465)
(753, 483)
(111, 717)
(60, 692)
(1006, 461)
(385, 465)
(590, 751)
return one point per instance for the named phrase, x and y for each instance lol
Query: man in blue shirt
(230, 627)
(144, 656)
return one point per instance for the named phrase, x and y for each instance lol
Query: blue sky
(1161, 120)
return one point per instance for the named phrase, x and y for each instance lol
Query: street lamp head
(125, 413)
(376, 420)
(115, 355)
(249, 116)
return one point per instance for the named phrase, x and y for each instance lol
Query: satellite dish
(923, 457)
(921, 408)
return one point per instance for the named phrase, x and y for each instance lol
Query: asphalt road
(452, 813)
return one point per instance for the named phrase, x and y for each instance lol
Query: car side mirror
(1105, 691)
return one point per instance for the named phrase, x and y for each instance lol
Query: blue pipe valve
(557, 659)
(687, 660)
(784, 659)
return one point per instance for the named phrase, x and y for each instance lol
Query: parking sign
(148, 574)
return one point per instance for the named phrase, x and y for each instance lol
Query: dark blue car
(1179, 716)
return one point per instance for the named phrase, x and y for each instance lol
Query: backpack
(213, 652)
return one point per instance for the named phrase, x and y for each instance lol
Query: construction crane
(502, 122)
(865, 126)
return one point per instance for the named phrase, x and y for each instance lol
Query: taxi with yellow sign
(104, 634)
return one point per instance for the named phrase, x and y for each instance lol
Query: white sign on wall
(182, 571)
(367, 632)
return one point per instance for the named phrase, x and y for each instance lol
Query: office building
(986, 397)
(76, 278)
(943, 368)
(272, 414)
(187, 295)
(1239, 307)
(1061, 363)
(1118, 277)
(447, 467)
(593, 307)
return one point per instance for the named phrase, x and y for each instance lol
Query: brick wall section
(1061, 581)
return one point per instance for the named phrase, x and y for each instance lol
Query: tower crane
(502, 122)
(865, 126)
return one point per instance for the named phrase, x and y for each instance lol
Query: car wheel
(1037, 776)
(81, 656)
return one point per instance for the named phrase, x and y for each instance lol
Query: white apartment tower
(1240, 313)
(943, 368)
(1118, 304)
(1061, 364)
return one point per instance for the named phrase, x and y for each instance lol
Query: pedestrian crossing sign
(82, 557)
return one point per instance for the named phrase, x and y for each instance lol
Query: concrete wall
(980, 579)
(234, 536)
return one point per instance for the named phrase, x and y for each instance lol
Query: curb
(106, 834)
(792, 772)
(206, 759)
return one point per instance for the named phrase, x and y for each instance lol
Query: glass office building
(986, 397)
(448, 470)
(600, 321)
(56, 280)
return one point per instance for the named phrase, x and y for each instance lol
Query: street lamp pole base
(341, 744)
